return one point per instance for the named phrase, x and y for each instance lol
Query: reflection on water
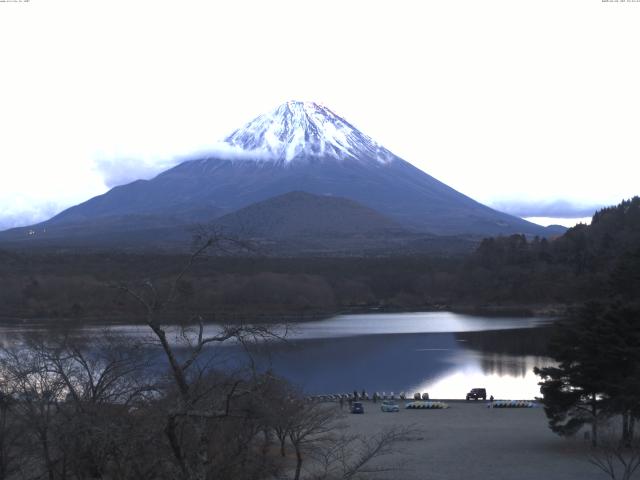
(420, 322)
(442, 353)
(438, 363)
(532, 341)
(506, 365)
(504, 376)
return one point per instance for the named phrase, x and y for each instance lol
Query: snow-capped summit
(297, 130)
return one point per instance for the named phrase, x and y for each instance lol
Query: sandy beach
(469, 440)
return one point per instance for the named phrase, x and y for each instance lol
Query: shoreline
(525, 311)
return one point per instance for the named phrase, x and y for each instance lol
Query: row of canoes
(511, 404)
(427, 405)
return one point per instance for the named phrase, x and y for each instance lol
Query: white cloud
(565, 222)
(27, 214)
(125, 170)
(547, 208)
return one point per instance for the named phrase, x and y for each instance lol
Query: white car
(389, 406)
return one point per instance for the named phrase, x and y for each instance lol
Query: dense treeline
(78, 286)
(587, 262)
(596, 346)
(598, 261)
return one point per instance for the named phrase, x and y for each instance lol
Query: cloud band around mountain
(555, 209)
(120, 171)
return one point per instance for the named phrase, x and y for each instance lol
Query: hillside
(296, 214)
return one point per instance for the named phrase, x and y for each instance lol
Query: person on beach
(491, 401)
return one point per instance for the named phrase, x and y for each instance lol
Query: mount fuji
(298, 147)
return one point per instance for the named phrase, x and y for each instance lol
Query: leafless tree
(37, 396)
(198, 402)
(309, 424)
(618, 459)
(72, 400)
(352, 456)
(103, 377)
(11, 434)
(281, 405)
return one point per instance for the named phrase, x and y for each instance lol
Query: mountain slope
(297, 147)
(296, 214)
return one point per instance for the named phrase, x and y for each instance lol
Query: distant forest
(511, 273)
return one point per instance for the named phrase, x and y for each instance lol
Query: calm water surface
(443, 353)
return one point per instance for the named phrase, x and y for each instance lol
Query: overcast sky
(529, 106)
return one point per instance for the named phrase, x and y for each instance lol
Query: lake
(442, 353)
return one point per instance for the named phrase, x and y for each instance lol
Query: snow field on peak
(305, 129)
